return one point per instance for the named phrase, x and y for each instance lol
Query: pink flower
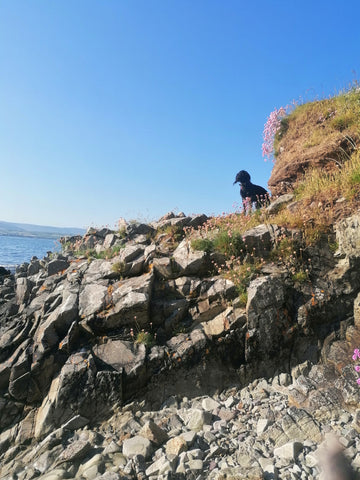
(358, 381)
(357, 368)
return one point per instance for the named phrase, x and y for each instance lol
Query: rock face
(151, 321)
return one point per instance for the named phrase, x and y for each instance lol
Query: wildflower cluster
(288, 254)
(143, 336)
(271, 127)
(355, 357)
(224, 235)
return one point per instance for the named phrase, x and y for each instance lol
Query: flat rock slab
(121, 355)
(75, 451)
(92, 299)
(129, 303)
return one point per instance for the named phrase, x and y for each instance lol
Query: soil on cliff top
(321, 134)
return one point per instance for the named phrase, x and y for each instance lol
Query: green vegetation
(203, 244)
(321, 123)
(229, 244)
(300, 277)
(122, 232)
(241, 274)
(119, 268)
(91, 253)
(172, 234)
(145, 338)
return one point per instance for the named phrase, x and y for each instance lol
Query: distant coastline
(32, 235)
(10, 229)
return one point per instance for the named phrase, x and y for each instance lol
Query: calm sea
(17, 250)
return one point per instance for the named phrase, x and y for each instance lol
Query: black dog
(251, 193)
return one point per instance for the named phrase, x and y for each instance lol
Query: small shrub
(172, 233)
(354, 178)
(241, 274)
(333, 246)
(301, 276)
(228, 243)
(145, 338)
(284, 125)
(344, 121)
(203, 244)
(122, 232)
(243, 297)
(119, 268)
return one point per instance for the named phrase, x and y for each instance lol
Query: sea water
(17, 250)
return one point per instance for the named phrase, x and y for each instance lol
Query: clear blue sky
(132, 108)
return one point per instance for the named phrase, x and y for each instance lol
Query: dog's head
(242, 177)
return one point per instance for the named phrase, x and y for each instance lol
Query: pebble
(238, 433)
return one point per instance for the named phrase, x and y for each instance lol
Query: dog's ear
(242, 177)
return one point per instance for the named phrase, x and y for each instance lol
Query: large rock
(168, 312)
(213, 299)
(297, 423)
(124, 356)
(137, 446)
(4, 271)
(98, 270)
(289, 451)
(189, 262)
(129, 302)
(78, 389)
(57, 265)
(222, 323)
(279, 203)
(23, 290)
(261, 239)
(357, 311)
(184, 347)
(348, 236)
(92, 299)
(154, 433)
(269, 320)
(129, 253)
(54, 328)
(184, 262)
(134, 229)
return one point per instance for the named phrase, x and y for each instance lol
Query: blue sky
(114, 108)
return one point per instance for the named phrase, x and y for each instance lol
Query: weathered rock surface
(152, 323)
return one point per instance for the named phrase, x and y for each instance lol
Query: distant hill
(41, 231)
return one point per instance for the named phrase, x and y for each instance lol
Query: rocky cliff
(131, 355)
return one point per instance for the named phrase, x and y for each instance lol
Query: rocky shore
(144, 363)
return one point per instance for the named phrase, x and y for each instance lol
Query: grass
(323, 198)
(300, 277)
(91, 253)
(171, 234)
(323, 134)
(224, 242)
(119, 268)
(241, 274)
(203, 244)
(146, 338)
